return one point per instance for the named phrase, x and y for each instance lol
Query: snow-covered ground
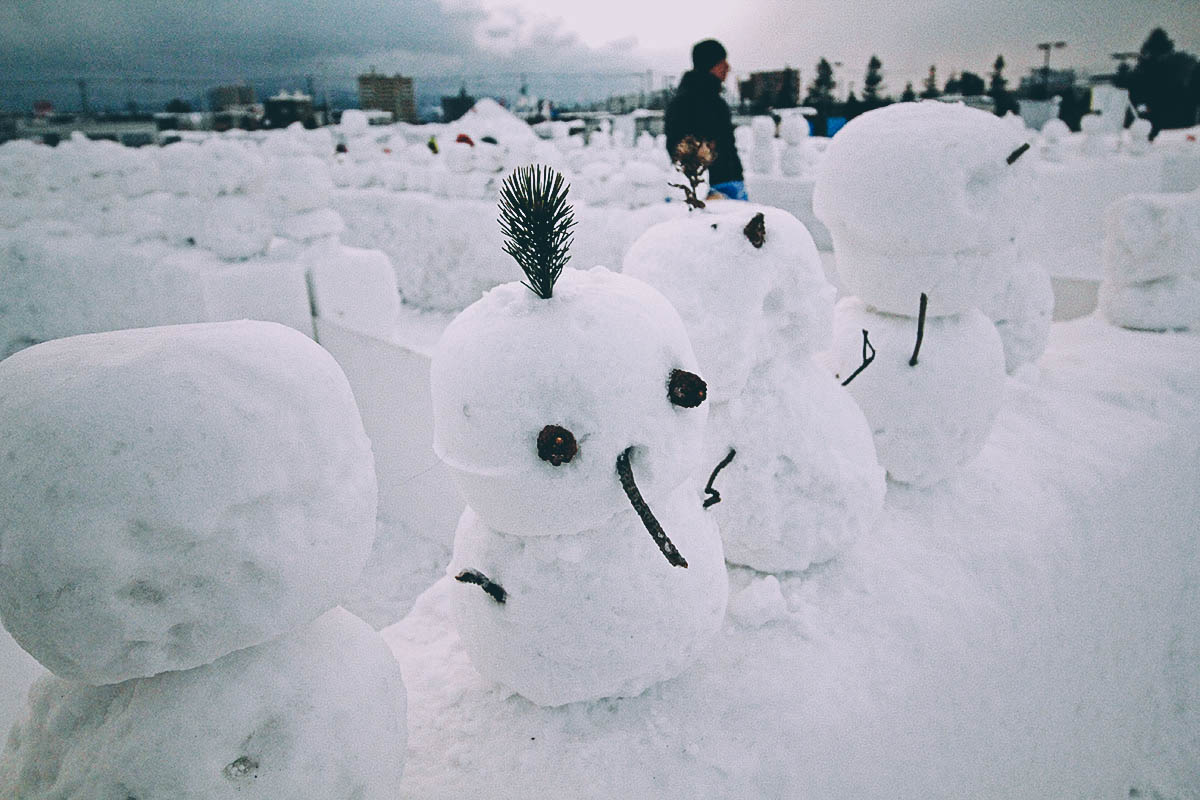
(1028, 627)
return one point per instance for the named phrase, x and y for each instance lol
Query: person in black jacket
(699, 110)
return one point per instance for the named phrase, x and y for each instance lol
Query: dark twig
(714, 496)
(639, 505)
(483, 581)
(866, 359)
(693, 157)
(1015, 154)
(912, 362)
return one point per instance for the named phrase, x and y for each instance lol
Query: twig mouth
(625, 472)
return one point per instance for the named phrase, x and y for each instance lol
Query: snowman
(762, 154)
(570, 413)
(794, 130)
(923, 202)
(184, 506)
(800, 479)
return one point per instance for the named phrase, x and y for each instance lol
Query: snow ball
(1055, 131)
(599, 613)
(805, 482)
(596, 359)
(354, 121)
(733, 297)
(794, 129)
(235, 228)
(930, 419)
(306, 226)
(759, 603)
(173, 494)
(317, 713)
(916, 197)
(1023, 310)
(1163, 304)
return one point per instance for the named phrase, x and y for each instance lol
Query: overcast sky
(488, 43)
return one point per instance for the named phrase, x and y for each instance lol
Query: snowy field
(1013, 612)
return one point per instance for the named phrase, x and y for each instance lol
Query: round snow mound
(804, 482)
(917, 196)
(173, 494)
(932, 418)
(595, 359)
(594, 614)
(317, 713)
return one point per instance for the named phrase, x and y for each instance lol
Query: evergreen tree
(873, 83)
(998, 89)
(820, 91)
(931, 90)
(909, 95)
(1164, 81)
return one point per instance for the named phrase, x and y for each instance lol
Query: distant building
(224, 98)
(1040, 82)
(455, 106)
(287, 107)
(393, 94)
(775, 89)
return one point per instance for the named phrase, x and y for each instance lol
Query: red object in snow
(463, 138)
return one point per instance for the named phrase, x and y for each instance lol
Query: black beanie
(707, 54)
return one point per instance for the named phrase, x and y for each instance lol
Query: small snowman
(798, 477)
(762, 155)
(184, 506)
(921, 255)
(1137, 141)
(569, 410)
(795, 133)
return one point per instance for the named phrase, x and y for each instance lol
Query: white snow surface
(596, 358)
(318, 713)
(173, 494)
(1027, 629)
(930, 419)
(598, 613)
(1150, 236)
(805, 482)
(919, 197)
(738, 301)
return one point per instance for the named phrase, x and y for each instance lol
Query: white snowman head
(550, 395)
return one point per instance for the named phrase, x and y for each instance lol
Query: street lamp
(1046, 47)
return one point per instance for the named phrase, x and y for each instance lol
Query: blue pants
(734, 190)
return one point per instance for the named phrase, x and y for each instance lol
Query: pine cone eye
(556, 444)
(686, 389)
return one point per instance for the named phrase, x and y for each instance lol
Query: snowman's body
(590, 607)
(804, 481)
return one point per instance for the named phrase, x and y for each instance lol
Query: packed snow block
(1022, 311)
(1150, 236)
(235, 228)
(308, 226)
(734, 296)
(265, 289)
(917, 198)
(317, 713)
(1160, 305)
(596, 359)
(597, 613)
(804, 483)
(56, 280)
(354, 287)
(173, 494)
(932, 418)
(794, 195)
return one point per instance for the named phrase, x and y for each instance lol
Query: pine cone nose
(556, 444)
(686, 389)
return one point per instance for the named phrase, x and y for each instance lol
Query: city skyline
(569, 52)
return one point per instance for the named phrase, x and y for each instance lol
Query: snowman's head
(539, 396)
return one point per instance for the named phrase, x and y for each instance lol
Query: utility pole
(83, 95)
(1046, 47)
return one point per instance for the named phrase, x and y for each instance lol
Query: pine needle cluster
(536, 222)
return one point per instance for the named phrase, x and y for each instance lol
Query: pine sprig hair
(536, 222)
